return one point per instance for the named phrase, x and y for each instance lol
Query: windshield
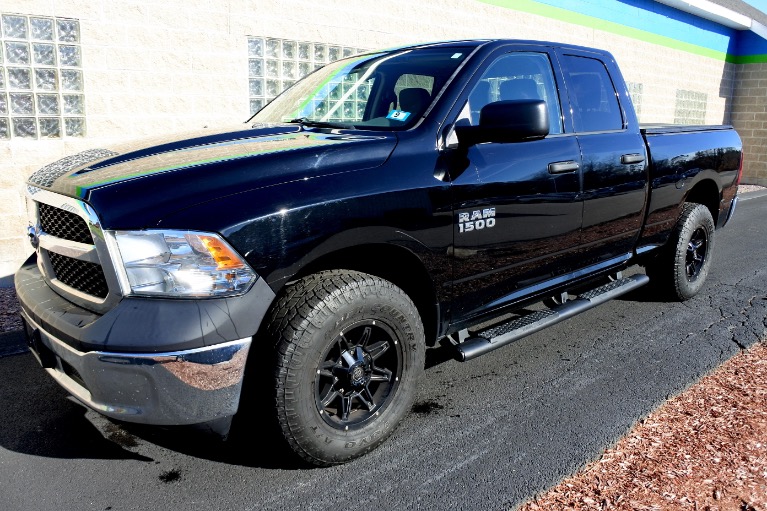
(387, 90)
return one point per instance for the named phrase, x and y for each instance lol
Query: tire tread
(666, 270)
(289, 330)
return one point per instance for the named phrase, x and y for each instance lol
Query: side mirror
(507, 121)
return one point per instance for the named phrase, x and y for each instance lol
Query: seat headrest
(587, 90)
(521, 88)
(414, 100)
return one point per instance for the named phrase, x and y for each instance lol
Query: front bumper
(150, 361)
(174, 388)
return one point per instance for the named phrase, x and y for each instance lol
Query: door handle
(627, 159)
(561, 167)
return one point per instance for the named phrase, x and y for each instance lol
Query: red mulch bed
(704, 450)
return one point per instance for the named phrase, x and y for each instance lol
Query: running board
(500, 335)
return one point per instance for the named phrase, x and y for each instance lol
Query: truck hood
(136, 185)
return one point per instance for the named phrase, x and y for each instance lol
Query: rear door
(517, 210)
(614, 169)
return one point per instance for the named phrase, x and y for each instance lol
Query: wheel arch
(391, 262)
(707, 193)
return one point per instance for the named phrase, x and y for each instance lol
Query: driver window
(513, 76)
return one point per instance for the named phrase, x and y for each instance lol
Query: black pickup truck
(465, 192)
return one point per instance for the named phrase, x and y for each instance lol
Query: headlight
(182, 264)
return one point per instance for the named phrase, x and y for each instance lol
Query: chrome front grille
(81, 275)
(64, 224)
(72, 249)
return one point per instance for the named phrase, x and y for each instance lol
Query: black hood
(136, 185)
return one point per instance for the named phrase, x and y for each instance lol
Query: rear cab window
(593, 98)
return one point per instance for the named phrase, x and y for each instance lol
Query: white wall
(152, 67)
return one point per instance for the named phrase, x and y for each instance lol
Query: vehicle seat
(587, 88)
(414, 100)
(591, 114)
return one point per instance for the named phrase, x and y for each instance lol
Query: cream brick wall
(153, 67)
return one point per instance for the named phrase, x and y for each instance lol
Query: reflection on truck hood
(164, 175)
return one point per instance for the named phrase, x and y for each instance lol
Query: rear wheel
(350, 349)
(681, 268)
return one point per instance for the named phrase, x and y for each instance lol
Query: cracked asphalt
(487, 434)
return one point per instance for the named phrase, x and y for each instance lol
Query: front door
(517, 212)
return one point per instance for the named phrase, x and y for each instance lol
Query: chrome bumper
(174, 388)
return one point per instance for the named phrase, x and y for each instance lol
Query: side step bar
(500, 335)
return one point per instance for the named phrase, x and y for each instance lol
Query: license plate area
(43, 354)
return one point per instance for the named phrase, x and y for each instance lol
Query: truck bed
(659, 129)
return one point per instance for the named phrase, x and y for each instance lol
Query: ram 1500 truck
(386, 202)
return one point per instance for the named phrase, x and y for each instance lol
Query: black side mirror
(507, 121)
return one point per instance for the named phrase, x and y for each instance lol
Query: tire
(349, 353)
(680, 270)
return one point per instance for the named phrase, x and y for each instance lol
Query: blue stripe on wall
(657, 18)
(750, 44)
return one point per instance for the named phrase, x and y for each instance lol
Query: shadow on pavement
(250, 444)
(646, 294)
(12, 343)
(38, 419)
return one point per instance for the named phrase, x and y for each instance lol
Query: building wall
(749, 116)
(152, 67)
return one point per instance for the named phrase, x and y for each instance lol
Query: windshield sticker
(456, 55)
(398, 115)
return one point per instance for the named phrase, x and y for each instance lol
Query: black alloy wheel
(359, 373)
(679, 269)
(696, 253)
(348, 351)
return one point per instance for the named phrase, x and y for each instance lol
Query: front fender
(285, 228)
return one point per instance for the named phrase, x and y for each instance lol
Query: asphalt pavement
(487, 434)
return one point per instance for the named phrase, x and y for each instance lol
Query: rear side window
(592, 95)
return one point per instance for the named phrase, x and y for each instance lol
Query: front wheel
(683, 264)
(350, 350)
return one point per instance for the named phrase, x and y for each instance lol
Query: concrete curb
(753, 195)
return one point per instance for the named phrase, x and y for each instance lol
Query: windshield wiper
(303, 121)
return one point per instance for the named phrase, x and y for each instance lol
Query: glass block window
(276, 64)
(635, 90)
(41, 78)
(690, 107)
(345, 99)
